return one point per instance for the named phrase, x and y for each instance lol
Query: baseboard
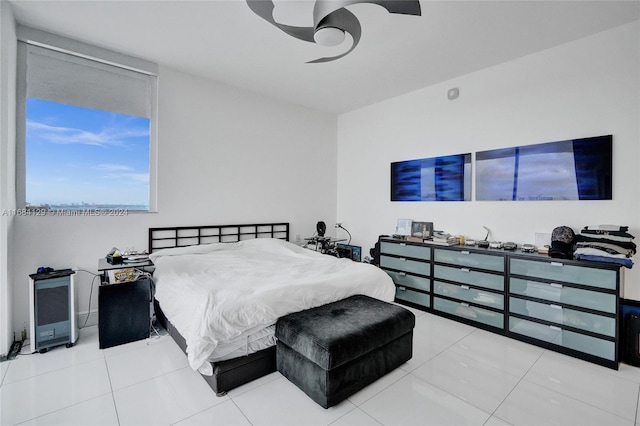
(81, 318)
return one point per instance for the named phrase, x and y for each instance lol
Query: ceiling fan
(331, 21)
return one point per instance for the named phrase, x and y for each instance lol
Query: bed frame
(238, 371)
(183, 236)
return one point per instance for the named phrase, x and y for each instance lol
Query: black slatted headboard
(183, 236)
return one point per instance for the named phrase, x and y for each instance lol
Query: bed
(220, 289)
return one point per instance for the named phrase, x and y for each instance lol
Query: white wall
(229, 156)
(589, 87)
(226, 156)
(7, 166)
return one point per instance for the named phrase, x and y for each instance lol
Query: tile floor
(458, 375)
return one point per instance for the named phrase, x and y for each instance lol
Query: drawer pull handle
(554, 328)
(556, 264)
(402, 288)
(555, 307)
(556, 285)
(404, 259)
(403, 274)
(403, 244)
(465, 269)
(466, 287)
(466, 305)
(464, 252)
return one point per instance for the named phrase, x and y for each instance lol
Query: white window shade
(76, 77)
(73, 80)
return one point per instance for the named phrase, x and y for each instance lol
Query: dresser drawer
(557, 271)
(467, 258)
(466, 294)
(473, 313)
(422, 299)
(556, 335)
(467, 276)
(406, 265)
(564, 316)
(406, 250)
(562, 294)
(403, 279)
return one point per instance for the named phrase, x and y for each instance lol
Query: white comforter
(215, 292)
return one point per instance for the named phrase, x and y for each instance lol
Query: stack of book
(136, 258)
(444, 239)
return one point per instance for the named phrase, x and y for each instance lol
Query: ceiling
(225, 41)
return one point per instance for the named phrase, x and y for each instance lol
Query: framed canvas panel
(575, 169)
(446, 178)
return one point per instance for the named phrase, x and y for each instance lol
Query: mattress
(244, 345)
(222, 296)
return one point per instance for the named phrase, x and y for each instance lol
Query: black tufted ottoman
(334, 350)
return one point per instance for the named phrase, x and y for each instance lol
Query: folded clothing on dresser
(605, 243)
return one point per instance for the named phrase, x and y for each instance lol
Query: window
(87, 121)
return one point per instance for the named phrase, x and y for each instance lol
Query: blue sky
(76, 155)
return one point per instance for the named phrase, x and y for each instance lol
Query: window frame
(27, 36)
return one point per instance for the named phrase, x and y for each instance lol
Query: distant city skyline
(77, 155)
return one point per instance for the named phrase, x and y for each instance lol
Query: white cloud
(113, 167)
(131, 178)
(139, 177)
(112, 136)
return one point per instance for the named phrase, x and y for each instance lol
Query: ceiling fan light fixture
(329, 36)
(331, 20)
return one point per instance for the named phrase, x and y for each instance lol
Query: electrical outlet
(338, 224)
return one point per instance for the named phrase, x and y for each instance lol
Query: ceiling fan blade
(264, 9)
(323, 8)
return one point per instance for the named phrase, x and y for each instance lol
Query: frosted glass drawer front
(412, 281)
(563, 294)
(602, 278)
(467, 276)
(416, 297)
(406, 265)
(406, 250)
(587, 344)
(564, 316)
(466, 258)
(463, 310)
(466, 294)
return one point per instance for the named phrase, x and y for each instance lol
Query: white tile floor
(458, 375)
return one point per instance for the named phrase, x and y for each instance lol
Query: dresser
(567, 306)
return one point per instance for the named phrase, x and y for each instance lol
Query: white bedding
(245, 344)
(214, 293)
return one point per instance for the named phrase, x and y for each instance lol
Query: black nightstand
(123, 309)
